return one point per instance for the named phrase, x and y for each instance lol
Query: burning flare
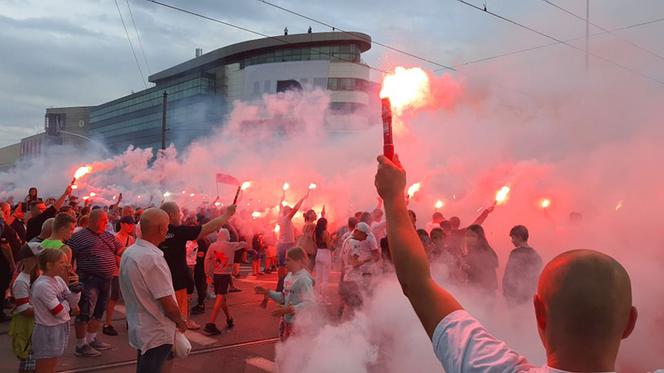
(312, 186)
(276, 228)
(245, 185)
(285, 187)
(439, 204)
(93, 194)
(256, 214)
(167, 194)
(619, 205)
(406, 88)
(502, 195)
(414, 189)
(545, 203)
(192, 194)
(82, 171)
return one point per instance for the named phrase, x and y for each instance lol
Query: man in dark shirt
(522, 270)
(39, 213)
(19, 223)
(175, 251)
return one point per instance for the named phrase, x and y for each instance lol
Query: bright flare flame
(414, 189)
(92, 194)
(256, 214)
(85, 198)
(191, 194)
(167, 194)
(502, 195)
(82, 171)
(439, 204)
(245, 185)
(217, 204)
(285, 187)
(276, 228)
(312, 186)
(619, 205)
(74, 186)
(406, 88)
(545, 203)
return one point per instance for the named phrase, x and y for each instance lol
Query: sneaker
(192, 325)
(211, 329)
(86, 351)
(109, 330)
(198, 309)
(230, 324)
(99, 345)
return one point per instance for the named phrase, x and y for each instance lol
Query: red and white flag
(227, 179)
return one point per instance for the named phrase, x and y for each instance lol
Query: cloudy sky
(76, 52)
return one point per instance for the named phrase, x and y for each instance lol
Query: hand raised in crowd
(390, 178)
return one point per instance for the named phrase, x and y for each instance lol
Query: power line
(131, 45)
(138, 35)
(260, 33)
(410, 54)
(605, 30)
(484, 59)
(626, 68)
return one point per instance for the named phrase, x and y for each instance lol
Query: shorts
(350, 293)
(28, 364)
(93, 297)
(115, 288)
(49, 341)
(282, 249)
(221, 283)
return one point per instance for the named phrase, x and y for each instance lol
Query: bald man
(175, 251)
(583, 303)
(145, 279)
(95, 252)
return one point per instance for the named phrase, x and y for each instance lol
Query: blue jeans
(153, 359)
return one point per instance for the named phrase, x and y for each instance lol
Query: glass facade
(334, 53)
(192, 109)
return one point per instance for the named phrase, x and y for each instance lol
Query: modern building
(200, 91)
(62, 126)
(9, 155)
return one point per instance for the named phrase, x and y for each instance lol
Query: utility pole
(587, 32)
(163, 120)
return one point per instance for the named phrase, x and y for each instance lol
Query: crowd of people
(62, 260)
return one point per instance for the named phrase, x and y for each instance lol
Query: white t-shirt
(50, 299)
(145, 278)
(379, 230)
(286, 230)
(462, 344)
(363, 250)
(21, 292)
(220, 257)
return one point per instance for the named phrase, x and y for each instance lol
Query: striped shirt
(95, 253)
(21, 292)
(51, 300)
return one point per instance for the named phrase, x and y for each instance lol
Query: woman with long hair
(481, 261)
(324, 247)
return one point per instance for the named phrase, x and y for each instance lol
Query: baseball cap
(127, 220)
(363, 227)
(29, 250)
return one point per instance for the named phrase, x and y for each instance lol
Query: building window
(267, 86)
(257, 88)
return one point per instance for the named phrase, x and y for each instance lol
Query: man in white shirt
(147, 289)
(583, 303)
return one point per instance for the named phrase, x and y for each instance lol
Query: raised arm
(430, 301)
(485, 214)
(216, 223)
(297, 206)
(60, 201)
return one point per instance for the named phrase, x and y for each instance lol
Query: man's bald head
(154, 225)
(173, 211)
(584, 306)
(47, 228)
(98, 220)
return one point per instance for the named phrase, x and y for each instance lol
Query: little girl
(51, 301)
(298, 291)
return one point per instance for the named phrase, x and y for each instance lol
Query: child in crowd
(298, 291)
(23, 318)
(258, 247)
(219, 266)
(52, 301)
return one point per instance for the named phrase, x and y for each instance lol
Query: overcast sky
(75, 52)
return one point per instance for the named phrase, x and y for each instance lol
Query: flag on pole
(227, 179)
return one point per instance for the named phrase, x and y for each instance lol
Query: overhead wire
(138, 36)
(133, 52)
